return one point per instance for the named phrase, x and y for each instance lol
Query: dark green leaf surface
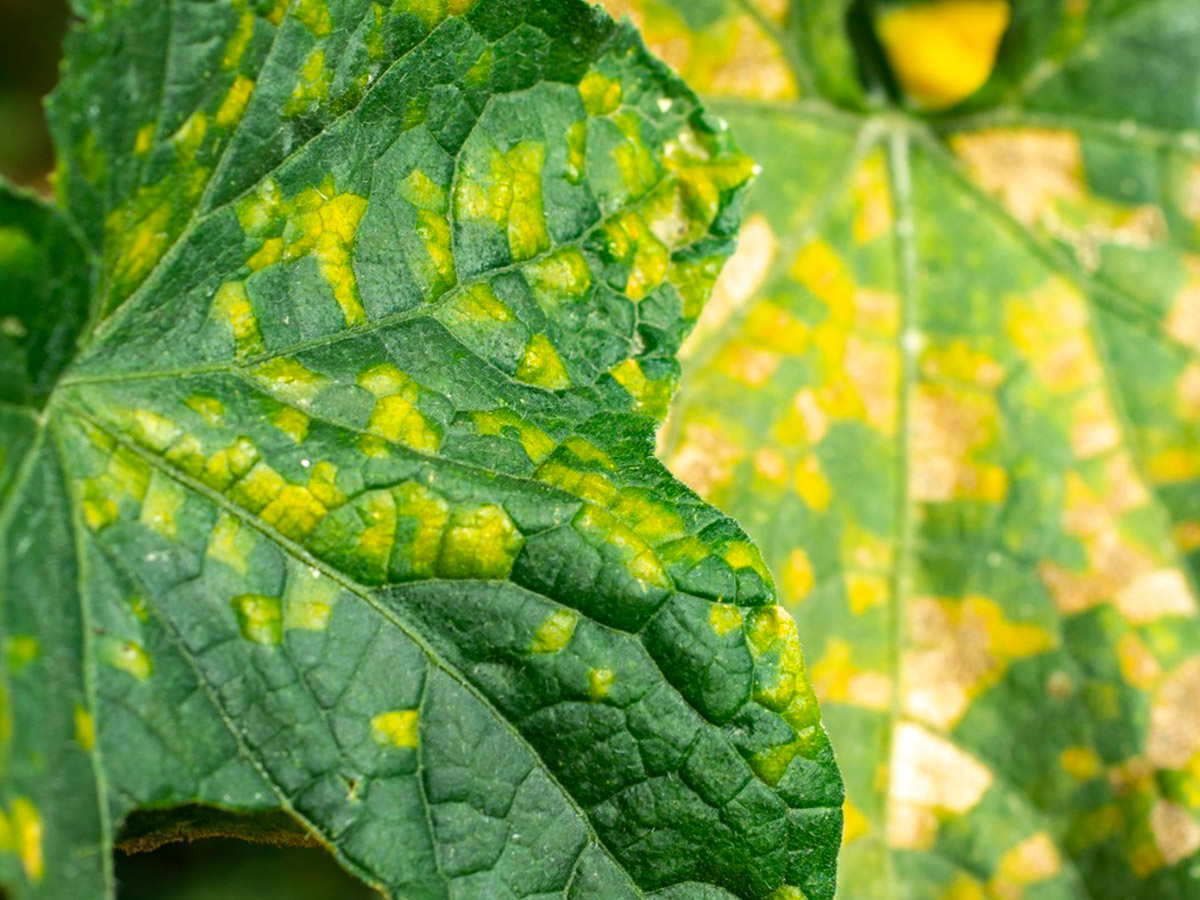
(951, 387)
(346, 505)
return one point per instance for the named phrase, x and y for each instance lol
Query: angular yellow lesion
(234, 104)
(232, 305)
(600, 682)
(651, 396)
(943, 51)
(308, 600)
(258, 488)
(209, 408)
(562, 276)
(314, 15)
(553, 635)
(591, 486)
(124, 656)
(396, 416)
(798, 576)
(541, 366)
(781, 680)
(242, 34)
(85, 729)
(398, 729)
(536, 443)
(811, 484)
(652, 520)
(259, 618)
(227, 465)
(294, 512)
(125, 476)
(431, 13)
(637, 557)
(289, 380)
(744, 555)
(630, 239)
(291, 422)
(508, 195)
(601, 95)
(324, 224)
(635, 162)
(481, 543)
(1081, 763)
(433, 225)
(724, 619)
(428, 515)
(838, 679)
(577, 136)
(29, 831)
(161, 506)
(144, 140)
(231, 543)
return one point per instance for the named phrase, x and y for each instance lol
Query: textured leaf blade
(359, 458)
(952, 400)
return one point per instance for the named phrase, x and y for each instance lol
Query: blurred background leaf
(30, 36)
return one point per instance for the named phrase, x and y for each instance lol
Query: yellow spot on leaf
(798, 577)
(209, 408)
(537, 444)
(480, 543)
(323, 224)
(943, 51)
(837, 678)
(554, 634)
(651, 396)
(563, 275)
(509, 196)
(85, 729)
(600, 682)
(541, 366)
(314, 15)
(724, 618)
(308, 601)
(231, 543)
(125, 656)
(396, 416)
(259, 618)
(1082, 763)
(144, 140)
(397, 729)
(601, 95)
(232, 305)
(291, 422)
(161, 505)
(290, 381)
(27, 824)
(234, 104)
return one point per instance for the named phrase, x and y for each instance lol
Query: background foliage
(952, 388)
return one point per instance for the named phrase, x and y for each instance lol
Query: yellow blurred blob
(943, 51)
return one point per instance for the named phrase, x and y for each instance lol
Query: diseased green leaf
(951, 386)
(329, 498)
